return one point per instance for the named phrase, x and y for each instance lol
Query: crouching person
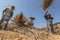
(30, 22)
(49, 20)
(6, 15)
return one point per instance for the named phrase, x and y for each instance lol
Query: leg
(5, 25)
(1, 21)
(47, 26)
(51, 25)
(52, 29)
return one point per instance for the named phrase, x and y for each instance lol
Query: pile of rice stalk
(18, 19)
(47, 4)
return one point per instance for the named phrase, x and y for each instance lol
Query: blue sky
(32, 8)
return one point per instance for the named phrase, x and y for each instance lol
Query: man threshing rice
(49, 22)
(6, 15)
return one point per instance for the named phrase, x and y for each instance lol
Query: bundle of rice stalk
(47, 4)
(18, 20)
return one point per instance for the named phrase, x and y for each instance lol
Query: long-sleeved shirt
(7, 14)
(48, 16)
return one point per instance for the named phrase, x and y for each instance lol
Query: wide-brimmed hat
(32, 18)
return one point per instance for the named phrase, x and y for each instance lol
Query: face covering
(11, 9)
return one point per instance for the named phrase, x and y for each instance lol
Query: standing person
(49, 22)
(6, 15)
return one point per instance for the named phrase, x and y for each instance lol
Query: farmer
(49, 22)
(6, 16)
(30, 22)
